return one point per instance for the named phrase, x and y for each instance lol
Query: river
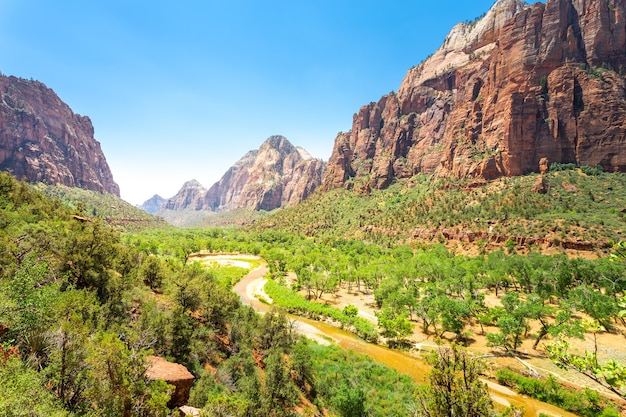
(252, 284)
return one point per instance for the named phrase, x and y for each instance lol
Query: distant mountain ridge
(153, 205)
(278, 174)
(43, 140)
(518, 89)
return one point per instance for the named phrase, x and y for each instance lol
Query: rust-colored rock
(278, 174)
(41, 139)
(541, 185)
(174, 374)
(523, 86)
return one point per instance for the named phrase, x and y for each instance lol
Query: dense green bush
(586, 403)
(296, 304)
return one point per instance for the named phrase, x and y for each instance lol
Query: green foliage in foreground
(296, 304)
(586, 403)
(355, 385)
(455, 387)
(24, 393)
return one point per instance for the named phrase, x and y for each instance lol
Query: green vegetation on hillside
(579, 205)
(76, 297)
(112, 209)
(80, 310)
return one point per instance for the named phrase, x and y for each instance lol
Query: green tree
(67, 370)
(152, 272)
(512, 325)
(27, 303)
(394, 323)
(350, 401)
(117, 384)
(455, 388)
(302, 364)
(276, 331)
(279, 391)
(24, 393)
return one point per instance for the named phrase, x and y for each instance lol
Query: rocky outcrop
(154, 204)
(523, 87)
(278, 174)
(191, 195)
(174, 374)
(42, 140)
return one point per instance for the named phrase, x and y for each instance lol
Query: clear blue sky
(182, 89)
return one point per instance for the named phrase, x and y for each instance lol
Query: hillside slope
(579, 209)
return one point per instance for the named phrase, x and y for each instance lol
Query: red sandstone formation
(174, 374)
(41, 139)
(278, 174)
(523, 87)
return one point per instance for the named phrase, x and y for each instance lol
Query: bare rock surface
(174, 374)
(278, 174)
(504, 95)
(43, 140)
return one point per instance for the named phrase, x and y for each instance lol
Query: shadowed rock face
(523, 84)
(278, 174)
(41, 139)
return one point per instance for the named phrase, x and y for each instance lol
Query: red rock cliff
(521, 84)
(41, 139)
(278, 174)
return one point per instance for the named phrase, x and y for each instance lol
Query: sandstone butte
(41, 139)
(521, 87)
(278, 174)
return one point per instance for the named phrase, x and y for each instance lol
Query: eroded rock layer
(521, 85)
(278, 174)
(41, 139)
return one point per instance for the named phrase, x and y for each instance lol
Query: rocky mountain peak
(520, 85)
(192, 185)
(278, 174)
(304, 154)
(190, 195)
(154, 204)
(467, 41)
(42, 139)
(278, 143)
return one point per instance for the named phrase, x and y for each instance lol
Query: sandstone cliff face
(190, 195)
(278, 174)
(41, 139)
(523, 84)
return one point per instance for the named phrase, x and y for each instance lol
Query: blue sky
(182, 89)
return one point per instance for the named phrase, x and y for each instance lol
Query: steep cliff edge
(521, 85)
(278, 174)
(41, 139)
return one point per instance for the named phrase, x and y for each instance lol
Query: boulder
(174, 374)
